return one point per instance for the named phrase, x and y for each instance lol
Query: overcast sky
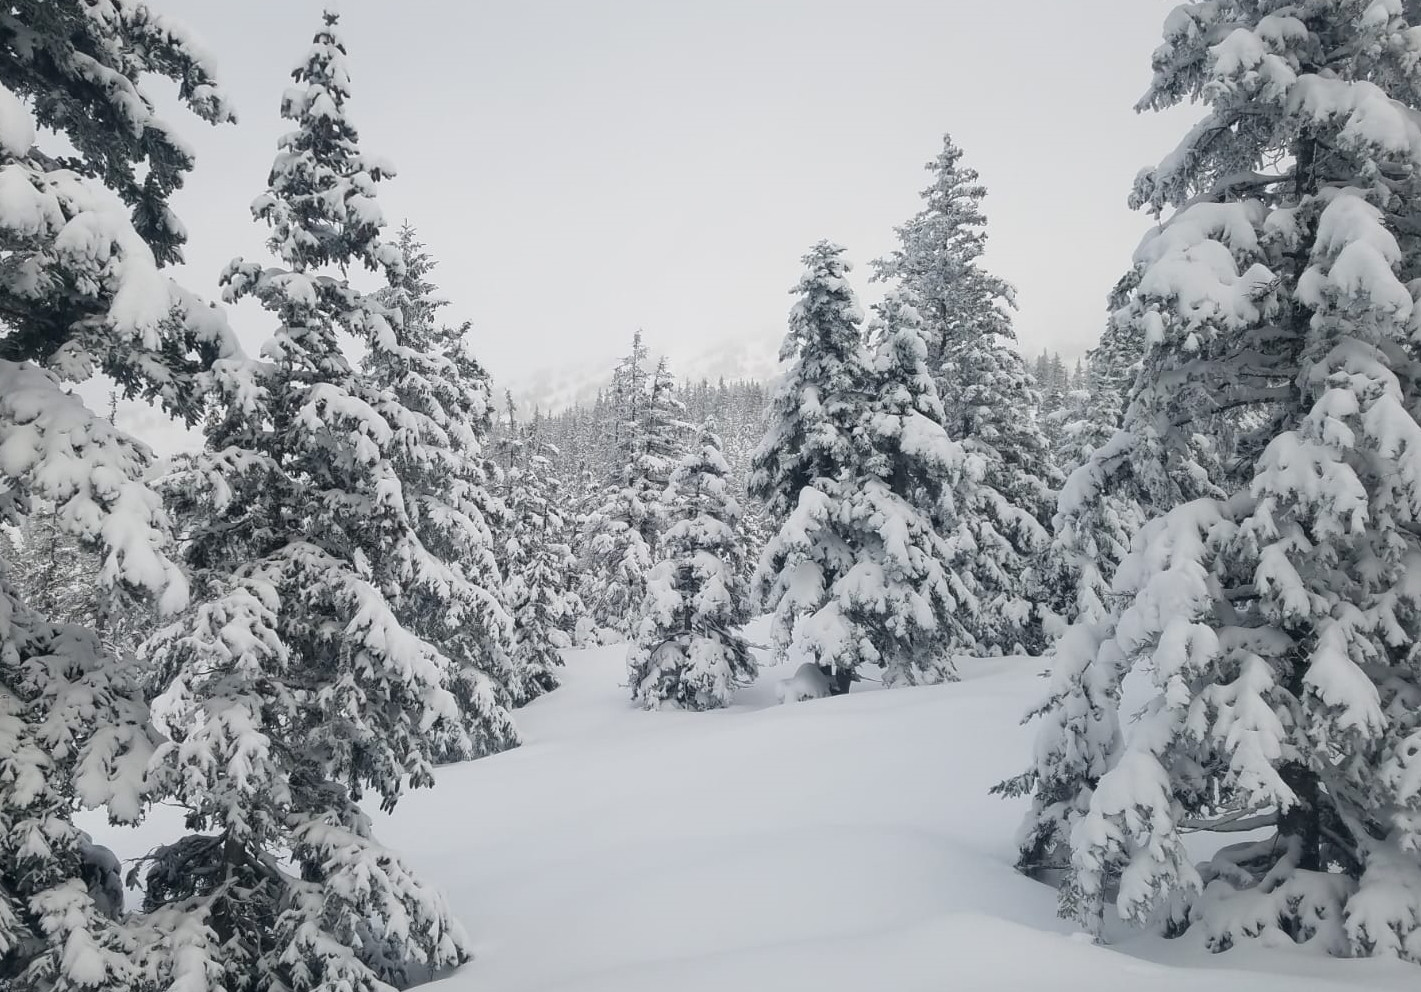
(582, 168)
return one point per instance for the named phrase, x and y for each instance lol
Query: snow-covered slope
(843, 844)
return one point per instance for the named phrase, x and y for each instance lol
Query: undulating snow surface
(837, 845)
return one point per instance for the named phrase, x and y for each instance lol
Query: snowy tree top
(321, 202)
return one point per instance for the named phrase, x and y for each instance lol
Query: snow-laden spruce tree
(53, 573)
(621, 532)
(619, 522)
(292, 689)
(858, 470)
(86, 170)
(1092, 408)
(1053, 381)
(1271, 599)
(798, 470)
(816, 406)
(665, 437)
(990, 404)
(906, 587)
(1101, 505)
(1074, 430)
(689, 652)
(444, 585)
(539, 565)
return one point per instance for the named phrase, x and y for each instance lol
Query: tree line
(371, 563)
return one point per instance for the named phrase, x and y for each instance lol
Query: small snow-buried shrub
(808, 682)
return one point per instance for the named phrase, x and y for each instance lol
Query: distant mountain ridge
(748, 357)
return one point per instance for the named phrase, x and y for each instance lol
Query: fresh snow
(834, 845)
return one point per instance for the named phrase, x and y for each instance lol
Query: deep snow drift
(840, 844)
(837, 845)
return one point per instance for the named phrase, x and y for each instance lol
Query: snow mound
(839, 844)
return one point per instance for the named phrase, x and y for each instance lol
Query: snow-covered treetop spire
(815, 405)
(938, 253)
(321, 202)
(828, 312)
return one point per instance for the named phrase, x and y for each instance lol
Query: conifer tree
(1073, 429)
(539, 563)
(621, 531)
(53, 573)
(990, 404)
(664, 441)
(858, 464)
(689, 652)
(1270, 597)
(445, 585)
(618, 524)
(905, 501)
(1102, 503)
(85, 228)
(1054, 382)
(292, 687)
(798, 468)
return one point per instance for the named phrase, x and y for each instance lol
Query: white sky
(584, 167)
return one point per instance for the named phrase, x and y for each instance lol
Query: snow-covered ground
(839, 845)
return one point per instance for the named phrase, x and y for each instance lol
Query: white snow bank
(835, 845)
(838, 844)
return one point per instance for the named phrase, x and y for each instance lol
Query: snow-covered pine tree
(292, 688)
(87, 168)
(1073, 430)
(538, 562)
(1093, 406)
(618, 525)
(1054, 382)
(664, 438)
(580, 434)
(1101, 505)
(445, 586)
(797, 470)
(621, 532)
(905, 588)
(53, 573)
(689, 652)
(860, 471)
(1101, 508)
(1271, 598)
(990, 404)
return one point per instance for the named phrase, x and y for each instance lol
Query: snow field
(839, 844)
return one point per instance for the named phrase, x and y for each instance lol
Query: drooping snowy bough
(1271, 602)
(86, 170)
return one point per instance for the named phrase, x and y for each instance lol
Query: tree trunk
(839, 680)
